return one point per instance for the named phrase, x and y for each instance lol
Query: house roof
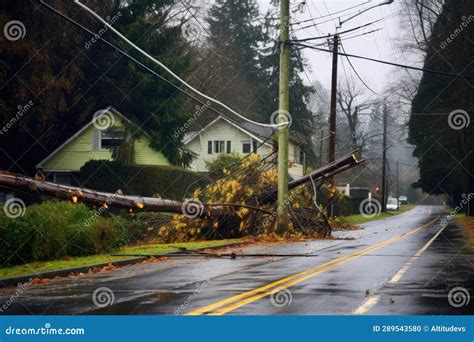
(102, 112)
(192, 135)
(257, 132)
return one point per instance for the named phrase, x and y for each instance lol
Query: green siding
(80, 150)
(145, 155)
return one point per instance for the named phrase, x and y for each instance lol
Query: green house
(100, 139)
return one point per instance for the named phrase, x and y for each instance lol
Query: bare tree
(353, 104)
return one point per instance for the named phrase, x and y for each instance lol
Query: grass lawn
(359, 219)
(44, 266)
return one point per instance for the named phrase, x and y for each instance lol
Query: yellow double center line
(224, 306)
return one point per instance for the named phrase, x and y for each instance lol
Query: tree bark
(191, 208)
(92, 197)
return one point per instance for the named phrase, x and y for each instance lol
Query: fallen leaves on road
(40, 281)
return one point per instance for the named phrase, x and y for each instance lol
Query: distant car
(403, 200)
(392, 204)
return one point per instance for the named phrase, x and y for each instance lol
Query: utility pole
(332, 114)
(332, 117)
(398, 190)
(384, 158)
(283, 116)
(321, 144)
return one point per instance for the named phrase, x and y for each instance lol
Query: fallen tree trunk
(317, 176)
(117, 200)
(191, 208)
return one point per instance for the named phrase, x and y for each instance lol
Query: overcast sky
(383, 44)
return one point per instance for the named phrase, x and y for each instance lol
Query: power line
(75, 23)
(347, 31)
(357, 74)
(312, 25)
(168, 70)
(362, 34)
(468, 77)
(329, 14)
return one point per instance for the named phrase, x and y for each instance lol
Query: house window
(219, 146)
(246, 146)
(111, 139)
(254, 146)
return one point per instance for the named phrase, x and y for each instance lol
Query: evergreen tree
(444, 148)
(151, 103)
(68, 77)
(234, 57)
(300, 93)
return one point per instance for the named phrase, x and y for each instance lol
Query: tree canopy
(442, 108)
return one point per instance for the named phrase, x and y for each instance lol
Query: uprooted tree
(241, 202)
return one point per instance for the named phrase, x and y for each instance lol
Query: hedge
(54, 230)
(164, 181)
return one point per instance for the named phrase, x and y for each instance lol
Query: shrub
(52, 230)
(166, 181)
(16, 240)
(100, 236)
(223, 161)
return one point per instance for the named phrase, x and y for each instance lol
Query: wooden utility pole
(332, 114)
(283, 116)
(398, 190)
(321, 144)
(384, 158)
(332, 118)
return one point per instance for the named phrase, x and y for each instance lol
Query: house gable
(222, 129)
(80, 148)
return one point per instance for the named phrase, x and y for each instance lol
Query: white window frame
(100, 138)
(249, 142)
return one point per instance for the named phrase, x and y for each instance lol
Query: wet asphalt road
(374, 270)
